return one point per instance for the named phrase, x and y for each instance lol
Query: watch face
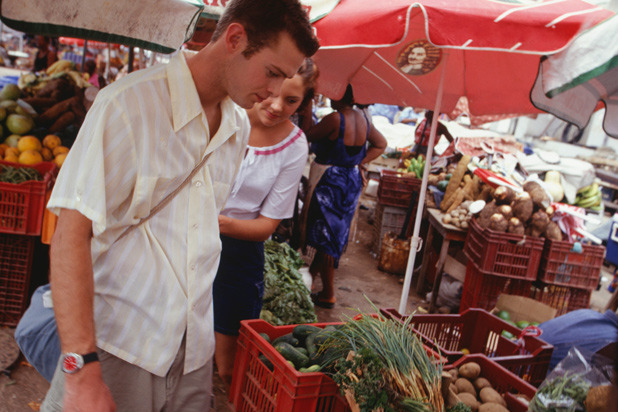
(72, 362)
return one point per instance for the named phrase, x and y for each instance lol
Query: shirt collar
(185, 101)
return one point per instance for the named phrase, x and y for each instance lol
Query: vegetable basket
(505, 382)
(397, 189)
(561, 265)
(504, 254)
(22, 205)
(257, 388)
(16, 255)
(480, 332)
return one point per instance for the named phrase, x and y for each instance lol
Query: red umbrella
(430, 53)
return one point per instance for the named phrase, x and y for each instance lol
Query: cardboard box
(523, 308)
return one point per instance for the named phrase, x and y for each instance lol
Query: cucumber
(289, 338)
(266, 337)
(312, 368)
(301, 332)
(266, 361)
(290, 353)
(442, 185)
(302, 350)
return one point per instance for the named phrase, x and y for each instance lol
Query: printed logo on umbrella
(418, 58)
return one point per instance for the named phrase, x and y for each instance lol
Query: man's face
(254, 79)
(417, 56)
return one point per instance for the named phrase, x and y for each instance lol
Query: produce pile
(415, 166)
(467, 385)
(17, 175)
(286, 299)
(529, 212)
(571, 392)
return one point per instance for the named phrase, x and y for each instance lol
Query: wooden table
(448, 233)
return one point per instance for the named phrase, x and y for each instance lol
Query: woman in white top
(263, 194)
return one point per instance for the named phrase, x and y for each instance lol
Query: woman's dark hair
(348, 97)
(309, 73)
(265, 20)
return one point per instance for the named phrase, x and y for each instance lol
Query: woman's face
(277, 109)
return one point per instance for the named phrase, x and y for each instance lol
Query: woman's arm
(377, 144)
(328, 127)
(255, 230)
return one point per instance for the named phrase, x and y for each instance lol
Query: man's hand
(85, 391)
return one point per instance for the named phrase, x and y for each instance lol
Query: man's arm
(255, 230)
(72, 286)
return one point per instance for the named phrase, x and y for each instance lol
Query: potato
(480, 383)
(599, 398)
(454, 373)
(492, 407)
(488, 395)
(453, 388)
(464, 385)
(469, 400)
(470, 370)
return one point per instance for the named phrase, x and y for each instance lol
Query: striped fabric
(141, 138)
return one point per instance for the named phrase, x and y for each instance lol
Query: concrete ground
(22, 389)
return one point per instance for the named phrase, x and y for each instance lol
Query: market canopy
(157, 25)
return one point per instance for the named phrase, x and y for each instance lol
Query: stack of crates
(21, 217)
(395, 194)
(568, 274)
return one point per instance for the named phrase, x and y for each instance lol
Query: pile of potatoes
(467, 385)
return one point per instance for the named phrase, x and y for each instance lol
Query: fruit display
(29, 150)
(413, 165)
(590, 197)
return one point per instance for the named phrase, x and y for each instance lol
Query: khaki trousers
(136, 390)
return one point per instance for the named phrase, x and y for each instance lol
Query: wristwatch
(73, 362)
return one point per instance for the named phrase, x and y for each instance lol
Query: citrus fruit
(60, 149)
(51, 141)
(47, 154)
(30, 157)
(3, 147)
(59, 160)
(12, 140)
(11, 151)
(503, 314)
(11, 157)
(19, 124)
(28, 143)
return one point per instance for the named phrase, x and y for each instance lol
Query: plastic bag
(566, 387)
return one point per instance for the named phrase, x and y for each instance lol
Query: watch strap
(90, 357)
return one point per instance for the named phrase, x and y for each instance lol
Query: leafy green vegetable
(18, 175)
(563, 393)
(287, 300)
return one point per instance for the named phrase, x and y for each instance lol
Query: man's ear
(235, 37)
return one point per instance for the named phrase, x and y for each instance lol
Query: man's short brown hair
(264, 20)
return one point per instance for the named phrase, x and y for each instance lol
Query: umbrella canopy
(574, 83)
(392, 52)
(161, 26)
(432, 52)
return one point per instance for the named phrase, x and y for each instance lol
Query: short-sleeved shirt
(268, 179)
(140, 140)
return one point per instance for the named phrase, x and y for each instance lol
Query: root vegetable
(456, 199)
(504, 195)
(539, 221)
(447, 219)
(470, 400)
(480, 383)
(498, 223)
(492, 407)
(62, 122)
(470, 370)
(453, 183)
(523, 206)
(485, 193)
(464, 385)
(515, 226)
(491, 395)
(485, 214)
(537, 194)
(506, 211)
(598, 398)
(553, 231)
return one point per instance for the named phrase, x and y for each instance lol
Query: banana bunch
(59, 67)
(415, 166)
(77, 78)
(589, 197)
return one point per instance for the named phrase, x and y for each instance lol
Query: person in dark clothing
(422, 133)
(45, 56)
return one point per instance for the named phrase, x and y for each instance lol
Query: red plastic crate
(397, 189)
(480, 332)
(502, 380)
(562, 266)
(481, 289)
(505, 254)
(257, 388)
(16, 252)
(563, 298)
(22, 205)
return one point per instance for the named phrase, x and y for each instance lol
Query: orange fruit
(11, 157)
(51, 141)
(59, 160)
(47, 154)
(30, 157)
(60, 149)
(28, 143)
(3, 147)
(11, 151)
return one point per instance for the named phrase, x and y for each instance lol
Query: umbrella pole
(416, 242)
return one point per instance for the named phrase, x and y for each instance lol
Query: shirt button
(78, 198)
(195, 226)
(198, 183)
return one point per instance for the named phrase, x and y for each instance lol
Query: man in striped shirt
(134, 309)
